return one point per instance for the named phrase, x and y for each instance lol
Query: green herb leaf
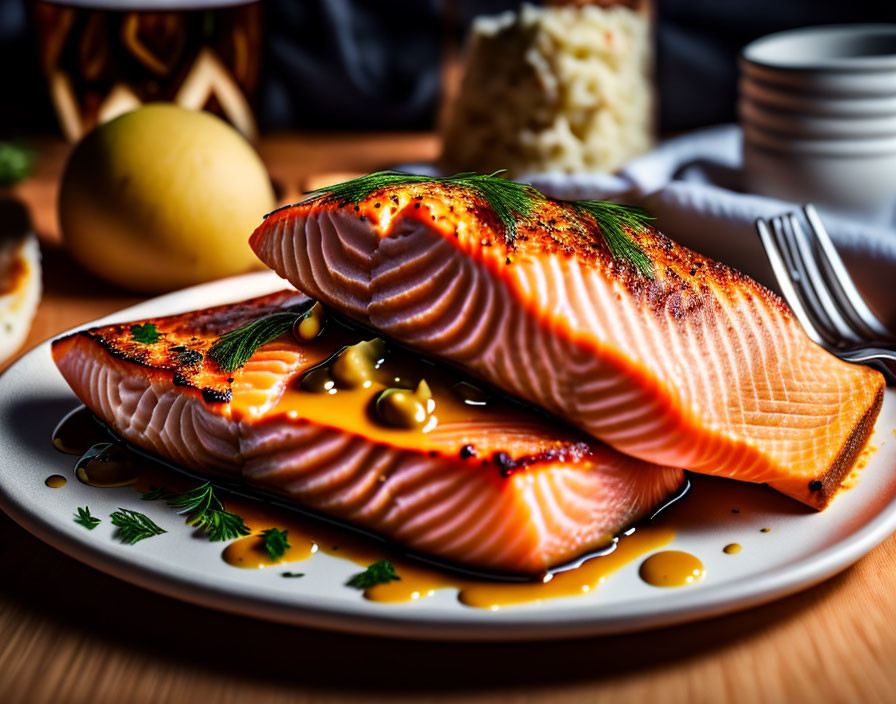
(292, 574)
(233, 349)
(379, 572)
(155, 493)
(134, 526)
(275, 542)
(15, 163)
(147, 334)
(206, 512)
(84, 518)
(510, 201)
(613, 219)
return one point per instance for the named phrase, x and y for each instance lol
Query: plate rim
(434, 623)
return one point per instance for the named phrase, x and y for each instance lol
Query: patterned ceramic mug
(105, 57)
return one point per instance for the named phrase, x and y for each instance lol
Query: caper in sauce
(403, 408)
(356, 365)
(310, 325)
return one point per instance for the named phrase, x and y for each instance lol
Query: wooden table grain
(70, 634)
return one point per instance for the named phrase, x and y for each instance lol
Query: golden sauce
(249, 552)
(107, 465)
(345, 397)
(732, 548)
(77, 432)
(418, 582)
(671, 568)
(111, 464)
(56, 481)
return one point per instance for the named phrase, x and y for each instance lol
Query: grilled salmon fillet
(685, 363)
(493, 486)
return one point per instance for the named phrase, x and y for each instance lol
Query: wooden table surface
(71, 634)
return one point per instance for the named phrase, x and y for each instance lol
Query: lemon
(162, 198)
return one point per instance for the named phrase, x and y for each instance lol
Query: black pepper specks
(815, 485)
(504, 462)
(467, 451)
(210, 395)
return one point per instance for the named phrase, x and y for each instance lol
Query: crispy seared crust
(184, 341)
(846, 460)
(678, 283)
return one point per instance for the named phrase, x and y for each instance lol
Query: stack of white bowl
(818, 112)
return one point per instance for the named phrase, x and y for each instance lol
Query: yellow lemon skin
(161, 198)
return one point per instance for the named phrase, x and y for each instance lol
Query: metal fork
(821, 292)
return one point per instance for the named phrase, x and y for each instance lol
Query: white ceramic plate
(802, 548)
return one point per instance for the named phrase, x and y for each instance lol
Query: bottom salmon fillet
(486, 483)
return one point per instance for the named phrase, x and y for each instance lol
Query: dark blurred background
(351, 64)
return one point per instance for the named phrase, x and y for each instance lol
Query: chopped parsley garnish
(379, 572)
(292, 575)
(147, 334)
(84, 518)
(275, 542)
(205, 511)
(134, 526)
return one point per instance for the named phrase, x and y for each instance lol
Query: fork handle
(881, 358)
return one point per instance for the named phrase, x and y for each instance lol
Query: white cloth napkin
(691, 184)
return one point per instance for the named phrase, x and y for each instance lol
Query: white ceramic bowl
(785, 98)
(808, 125)
(845, 60)
(849, 176)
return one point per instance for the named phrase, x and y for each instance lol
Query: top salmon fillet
(688, 364)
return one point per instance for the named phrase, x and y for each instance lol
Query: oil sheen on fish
(688, 363)
(491, 485)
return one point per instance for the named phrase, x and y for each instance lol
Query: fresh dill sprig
(205, 511)
(379, 572)
(613, 219)
(511, 202)
(275, 542)
(292, 575)
(147, 334)
(233, 349)
(84, 518)
(134, 526)
(155, 493)
(508, 200)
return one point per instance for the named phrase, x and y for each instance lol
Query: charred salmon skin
(586, 310)
(475, 480)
